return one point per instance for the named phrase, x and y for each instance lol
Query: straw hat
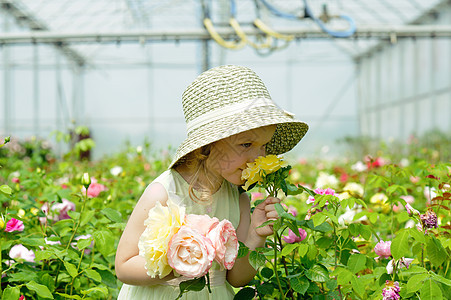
(228, 100)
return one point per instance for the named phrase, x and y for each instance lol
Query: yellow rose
(2, 223)
(261, 166)
(379, 202)
(163, 222)
(351, 189)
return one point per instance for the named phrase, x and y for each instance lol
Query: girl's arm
(253, 237)
(129, 265)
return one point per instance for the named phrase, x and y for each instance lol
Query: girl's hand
(263, 212)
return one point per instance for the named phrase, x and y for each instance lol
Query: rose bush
(74, 255)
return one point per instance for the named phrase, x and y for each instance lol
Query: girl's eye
(246, 145)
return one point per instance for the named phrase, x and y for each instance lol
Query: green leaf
(302, 249)
(246, 293)
(71, 269)
(417, 235)
(430, 290)
(112, 214)
(196, 284)
(299, 284)
(86, 217)
(357, 262)
(5, 189)
(90, 273)
(267, 272)
(104, 241)
(69, 296)
(344, 277)
(441, 279)
(95, 290)
(435, 251)
(358, 286)
(265, 289)
(84, 243)
(256, 259)
(108, 278)
(11, 292)
(365, 232)
(415, 282)
(40, 289)
(243, 250)
(317, 273)
(400, 244)
(318, 218)
(287, 249)
(33, 241)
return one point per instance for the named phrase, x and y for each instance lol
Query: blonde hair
(201, 178)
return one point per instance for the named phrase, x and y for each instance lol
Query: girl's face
(229, 157)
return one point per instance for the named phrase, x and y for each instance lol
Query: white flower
(116, 170)
(162, 223)
(19, 251)
(359, 167)
(325, 180)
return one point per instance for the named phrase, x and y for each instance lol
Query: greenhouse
(105, 104)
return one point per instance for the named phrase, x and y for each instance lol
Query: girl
(231, 120)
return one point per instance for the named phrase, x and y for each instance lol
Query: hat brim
(289, 131)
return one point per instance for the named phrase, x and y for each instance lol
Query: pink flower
(293, 238)
(63, 208)
(201, 223)
(225, 242)
(411, 210)
(19, 251)
(95, 188)
(429, 219)
(15, 180)
(414, 179)
(22, 297)
(292, 210)
(256, 196)
(383, 249)
(14, 225)
(190, 253)
(391, 291)
(319, 191)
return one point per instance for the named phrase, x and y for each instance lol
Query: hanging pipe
(337, 34)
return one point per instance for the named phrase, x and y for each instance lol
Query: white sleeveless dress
(225, 205)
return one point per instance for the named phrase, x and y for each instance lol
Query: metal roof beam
(24, 17)
(143, 36)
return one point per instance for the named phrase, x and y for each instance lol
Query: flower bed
(353, 237)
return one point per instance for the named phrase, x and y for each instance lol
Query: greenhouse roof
(68, 22)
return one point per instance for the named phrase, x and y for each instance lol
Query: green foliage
(74, 256)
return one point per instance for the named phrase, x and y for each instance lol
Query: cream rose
(161, 225)
(225, 242)
(201, 223)
(190, 253)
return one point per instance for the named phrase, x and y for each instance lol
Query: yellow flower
(379, 201)
(351, 189)
(262, 166)
(162, 223)
(2, 222)
(21, 213)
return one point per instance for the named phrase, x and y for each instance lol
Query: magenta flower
(429, 219)
(391, 291)
(327, 191)
(383, 249)
(14, 225)
(293, 238)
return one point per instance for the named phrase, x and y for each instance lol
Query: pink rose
(63, 208)
(383, 249)
(19, 251)
(15, 180)
(201, 223)
(319, 191)
(402, 263)
(293, 238)
(14, 225)
(225, 242)
(190, 253)
(95, 188)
